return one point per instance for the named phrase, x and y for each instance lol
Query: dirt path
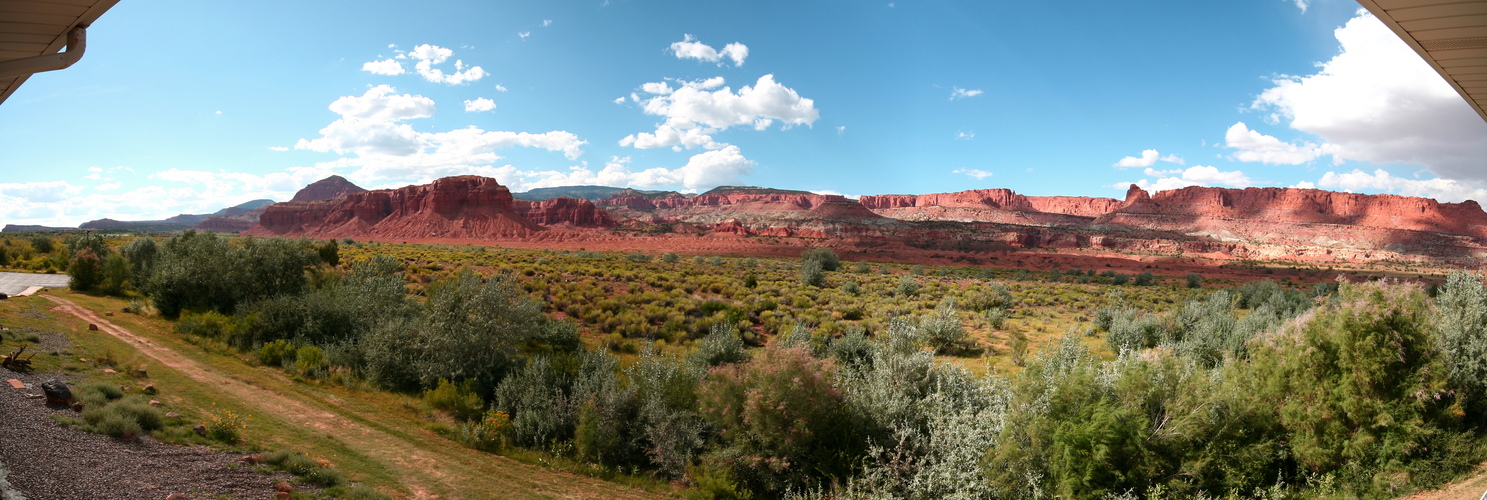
(1469, 488)
(422, 466)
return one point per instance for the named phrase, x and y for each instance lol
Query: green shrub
(992, 296)
(783, 418)
(309, 360)
(942, 328)
(722, 345)
(460, 400)
(122, 417)
(1194, 280)
(276, 353)
(304, 467)
(1358, 383)
(670, 257)
(826, 259)
(811, 274)
(907, 286)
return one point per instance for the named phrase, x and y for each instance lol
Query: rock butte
(1251, 223)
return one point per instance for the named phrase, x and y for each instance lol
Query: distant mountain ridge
(176, 223)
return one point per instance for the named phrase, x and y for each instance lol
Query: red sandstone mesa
(1253, 223)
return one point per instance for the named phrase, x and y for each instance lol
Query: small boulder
(172, 415)
(283, 487)
(56, 392)
(92, 327)
(149, 388)
(200, 430)
(283, 495)
(253, 459)
(177, 496)
(108, 313)
(77, 406)
(141, 373)
(154, 402)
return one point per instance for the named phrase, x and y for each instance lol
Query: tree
(117, 274)
(330, 253)
(823, 256)
(85, 271)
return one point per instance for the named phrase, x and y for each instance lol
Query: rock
(283, 495)
(172, 415)
(141, 373)
(200, 430)
(16, 384)
(157, 403)
(4, 296)
(109, 370)
(56, 392)
(77, 406)
(177, 496)
(328, 188)
(108, 313)
(563, 210)
(92, 327)
(283, 487)
(149, 389)
(467, 206)
(253, 459)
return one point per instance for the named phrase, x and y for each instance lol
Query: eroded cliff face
(453, 207)
(994, 199)
(1254, 223)
(571, 211)
(1281, 206)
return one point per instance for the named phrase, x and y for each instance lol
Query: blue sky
(187, 107)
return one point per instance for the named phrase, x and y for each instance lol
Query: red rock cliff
(563, 210)
(1281, 206)
(453, 207)
(1002, 199)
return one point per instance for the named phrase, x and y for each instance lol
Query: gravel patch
(47, 460)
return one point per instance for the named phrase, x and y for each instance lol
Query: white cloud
(480, 104)
(1197, 175)
(38, 192)
(1148, 158)
(546, 23)
(524, 34)
(1377, 101)
(387, 66)
(1446, 190)
(500, 88)
(694, 112)
(373, 128)
(1253, 146)
(619, 100)
(965, 136)
(705, 170)
(841, 129)
(973, 172)
(1301, 4)
(960, 93)
(690, 48)
(1174, 159)
(430, 55)
(380, 103)
(108, 186)
(278, 148)
(1304, 185)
